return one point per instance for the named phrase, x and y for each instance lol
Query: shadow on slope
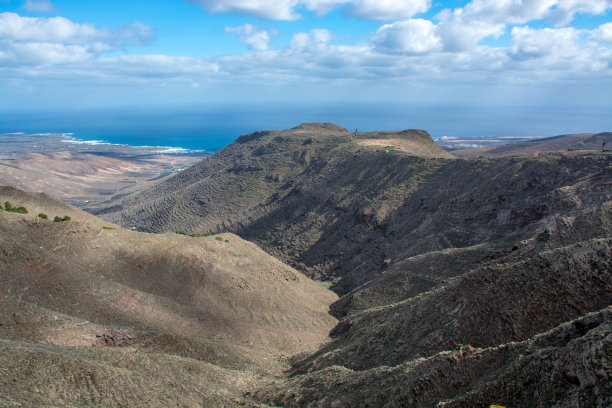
(172, 302)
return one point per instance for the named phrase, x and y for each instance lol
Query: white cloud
(62, 30)
(603, 34)
(58, 40)
(286, 9)
(272, 9)
(463, 36)
(316, 40)
(492, 12)
(35, 53)
(565, 10)
(521, 11)
(418, 36)
(557, 52)
(255, 38)
(529, 43)
(55, 29)
(387, 10)
(463, 28)
(406, 53)
(155, 66)
(415, 36)
(500, 11)
(38, 6)
(136, 33)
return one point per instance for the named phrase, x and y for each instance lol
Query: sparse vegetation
(219, 238)
(43, 216)
(381, 224)
(181, 232)
(60, 219)
(107, 228)
(9, 207)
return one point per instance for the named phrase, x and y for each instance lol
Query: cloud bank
(484, 45)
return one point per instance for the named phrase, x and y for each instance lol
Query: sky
(543, 65)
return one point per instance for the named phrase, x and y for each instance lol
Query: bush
(181, 232)
(206, 234)
(9, 207)
(60, 219)
(219, 238)
(43, 216)
(107, 228)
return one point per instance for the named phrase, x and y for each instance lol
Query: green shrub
(107, 228)
(43, 216)
(66, 218)
(9, 207)
(381, 224)
(227, 240)
(219, 238)
(60, 219)
(180, 232)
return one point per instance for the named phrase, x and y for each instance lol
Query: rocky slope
(92, 314)
(458, 275)
(336, 210)
(582, 141)
(464, 282)
(568, 366)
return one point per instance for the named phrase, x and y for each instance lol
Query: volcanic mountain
(463, 281)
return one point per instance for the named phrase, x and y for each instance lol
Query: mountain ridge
(462, 282)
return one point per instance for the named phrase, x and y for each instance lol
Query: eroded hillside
(337, 210)
(459, 276)
(92, 314)
(464, 282)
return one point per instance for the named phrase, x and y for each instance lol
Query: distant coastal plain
(86, 173)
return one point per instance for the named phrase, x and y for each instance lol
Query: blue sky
(509, 58)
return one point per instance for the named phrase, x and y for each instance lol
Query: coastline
(85, 173)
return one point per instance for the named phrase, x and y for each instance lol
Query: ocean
(210, 129)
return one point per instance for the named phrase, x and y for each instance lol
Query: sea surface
(210, 129)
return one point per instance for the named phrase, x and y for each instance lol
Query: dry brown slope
(582, 141)
(82, 178)
(412, 141)
(181, 302)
